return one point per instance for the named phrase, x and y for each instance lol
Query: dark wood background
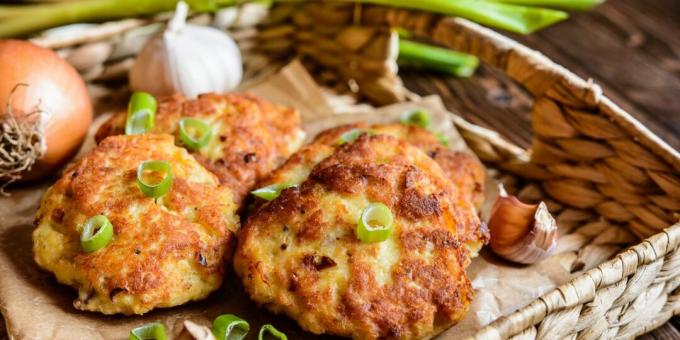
(630, 47)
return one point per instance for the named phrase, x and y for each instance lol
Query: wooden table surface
(630, 47)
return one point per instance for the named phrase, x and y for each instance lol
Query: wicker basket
(609, 181)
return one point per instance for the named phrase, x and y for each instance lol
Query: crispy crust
(251, 136)
(163, 253)
(463, 168)
(299, 255)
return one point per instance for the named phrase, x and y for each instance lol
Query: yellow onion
(45, 111)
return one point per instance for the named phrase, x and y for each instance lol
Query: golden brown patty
(164, 253)
(463, 168)
(250, 136)
(299, 254)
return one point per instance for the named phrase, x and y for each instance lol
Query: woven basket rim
(583, 286)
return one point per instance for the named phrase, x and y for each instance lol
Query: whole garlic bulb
(187, 58)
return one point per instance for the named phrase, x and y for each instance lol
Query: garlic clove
(522, 233)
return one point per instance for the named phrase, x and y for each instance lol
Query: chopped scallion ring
(141, 114)
(194, 133)
(350, 136)
(417, 117)
(148, 171)
(139, 122)
(272, 332)
(271, 192)
(150, 331)
(230, 327)
(97, 232)
(443, 139)
(375, 224)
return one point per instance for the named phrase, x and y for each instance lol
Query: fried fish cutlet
(299, 255)
(164, 252)
(463, 169)
(250, 136)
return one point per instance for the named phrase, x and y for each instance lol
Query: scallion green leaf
(141, 114)
(28, 18)
(418, 117)
(160, 186)
(150, 331)
(272, 332)
(96, 233)
(271, 192)
(230, 327)
(574, 5)
(375, 224)
(194, 133)
(515, 18)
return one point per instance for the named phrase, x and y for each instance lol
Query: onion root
(22, 142)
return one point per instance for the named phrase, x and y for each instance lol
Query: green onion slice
(350, 136)
(141, 114)
(194, 133)
(417, 117)
(272, 332)
(375, 224)
(443, 139)
(97, 232)
(159, 186)
(271, 192)
(230, 327)
(155, 331)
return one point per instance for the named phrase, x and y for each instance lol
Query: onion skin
(53, 86)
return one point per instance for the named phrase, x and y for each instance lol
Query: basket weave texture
(609, 181)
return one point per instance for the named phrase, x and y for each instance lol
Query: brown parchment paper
(35, 306)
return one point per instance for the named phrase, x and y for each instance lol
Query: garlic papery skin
(188, 59)
(522, 233)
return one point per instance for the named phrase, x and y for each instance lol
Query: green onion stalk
(514, 18)
(414, 54)
(519, 16)
(19, 20)
(572, 5)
